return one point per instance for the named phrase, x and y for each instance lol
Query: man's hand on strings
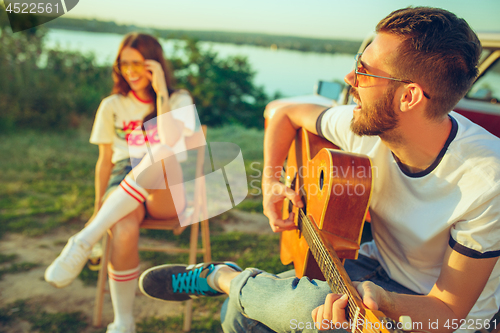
(274, 193)
(333, 310)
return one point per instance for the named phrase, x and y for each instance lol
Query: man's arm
(277, 140)
(457, 289)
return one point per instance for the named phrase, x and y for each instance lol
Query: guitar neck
(330, 266)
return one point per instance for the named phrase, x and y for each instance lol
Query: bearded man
(435, 204)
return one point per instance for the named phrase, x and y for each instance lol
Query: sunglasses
(367, 80)
(136, 66)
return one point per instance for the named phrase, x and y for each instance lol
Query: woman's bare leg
(123, 201)
(124, 262)
(125, 241)
(123, 268)
(143, 181)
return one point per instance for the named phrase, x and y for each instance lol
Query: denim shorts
(120, 170)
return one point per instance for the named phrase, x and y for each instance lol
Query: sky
(314, 18)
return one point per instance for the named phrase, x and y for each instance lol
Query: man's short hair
(439, 51)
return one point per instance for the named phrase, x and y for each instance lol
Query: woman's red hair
(149, 48)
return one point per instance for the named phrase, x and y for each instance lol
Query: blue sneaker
(180, 282)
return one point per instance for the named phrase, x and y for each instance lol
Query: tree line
(54, 89)
(319, 45)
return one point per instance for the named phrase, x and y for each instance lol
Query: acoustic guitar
(335, 187)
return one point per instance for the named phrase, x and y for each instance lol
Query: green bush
(223, 89)
(45, 89)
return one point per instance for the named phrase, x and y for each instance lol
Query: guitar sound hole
(321, 180)
(292, 186)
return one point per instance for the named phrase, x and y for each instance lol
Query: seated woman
(143, 89)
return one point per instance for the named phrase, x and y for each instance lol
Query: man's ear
(411, 97)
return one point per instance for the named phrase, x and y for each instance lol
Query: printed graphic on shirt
(127, 133)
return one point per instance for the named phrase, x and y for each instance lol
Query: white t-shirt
(119, 115)
(415, 217)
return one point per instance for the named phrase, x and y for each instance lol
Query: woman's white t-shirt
(119, 118)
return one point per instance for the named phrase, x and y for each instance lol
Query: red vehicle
(481, 104)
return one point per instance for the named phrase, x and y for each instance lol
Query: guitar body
(335, 187)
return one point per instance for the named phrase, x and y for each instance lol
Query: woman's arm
(169, 129)
(102, 172)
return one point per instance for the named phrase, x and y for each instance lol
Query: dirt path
(78, 297)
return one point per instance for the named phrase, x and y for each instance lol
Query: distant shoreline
(303, 44)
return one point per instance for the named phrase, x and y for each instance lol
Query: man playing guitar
(435, 204)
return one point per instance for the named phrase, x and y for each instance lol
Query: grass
(74, 322)
(48, 183)
(247, 250)
(208, 322)
(48, 178)
(251, 143)
(41, 321)
(7, 266)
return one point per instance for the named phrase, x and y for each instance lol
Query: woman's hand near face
(169, 129)
(154, 72)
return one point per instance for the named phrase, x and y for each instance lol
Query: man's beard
(377, 119)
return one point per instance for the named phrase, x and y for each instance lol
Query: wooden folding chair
(197, 209)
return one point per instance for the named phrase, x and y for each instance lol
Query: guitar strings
(325, 258)
(352, 307)
(319, 251)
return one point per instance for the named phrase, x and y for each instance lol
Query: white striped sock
(133, 189)
(121, 202)
(122, 287)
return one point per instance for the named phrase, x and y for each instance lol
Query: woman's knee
(126, 230)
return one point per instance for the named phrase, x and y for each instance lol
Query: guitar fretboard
(328, 262)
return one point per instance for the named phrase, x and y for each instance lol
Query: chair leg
(188, 316)
(205, 231)
(193, 244)
(205, 239)
(101, 282)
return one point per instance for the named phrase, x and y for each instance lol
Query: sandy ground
(77, 297)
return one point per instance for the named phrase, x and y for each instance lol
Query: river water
(290, 72)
